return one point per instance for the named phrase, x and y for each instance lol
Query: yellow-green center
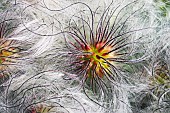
(97, 58)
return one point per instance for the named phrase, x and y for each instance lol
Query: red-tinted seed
(98, 57)
(104, 54)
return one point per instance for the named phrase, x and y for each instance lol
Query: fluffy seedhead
(18, 50)
(160, 86)
(9, 49)
(154, 98)
(97, 45)
(39, 109)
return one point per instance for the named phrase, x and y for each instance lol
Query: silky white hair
(40, 33)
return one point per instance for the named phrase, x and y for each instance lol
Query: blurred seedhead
(19, 46)
(9, 49)
(155, 98)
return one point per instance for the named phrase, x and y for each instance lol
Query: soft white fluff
(41, 35)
